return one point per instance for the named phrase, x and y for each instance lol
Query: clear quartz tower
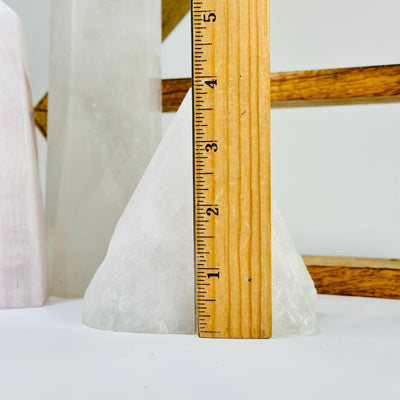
(104, 126)
(146, 282)
(23, 272)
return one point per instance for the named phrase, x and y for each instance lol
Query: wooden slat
(364, 85)
(367, 277)
(361, 85)
(173, 93)
(172, 12)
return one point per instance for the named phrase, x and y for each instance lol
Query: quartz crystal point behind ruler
(104, 126)
(23, 273)
(146, 282)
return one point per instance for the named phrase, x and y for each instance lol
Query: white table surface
(47, 353)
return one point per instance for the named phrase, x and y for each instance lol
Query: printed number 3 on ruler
(231, 130)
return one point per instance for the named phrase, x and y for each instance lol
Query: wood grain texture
(173, 93)
(363, 85)
(367, 277)
(172, 13)
(232, 176)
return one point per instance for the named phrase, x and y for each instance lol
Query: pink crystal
(23, 274)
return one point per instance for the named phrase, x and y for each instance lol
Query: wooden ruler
(231, 86)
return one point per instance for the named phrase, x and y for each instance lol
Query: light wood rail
(231, 97)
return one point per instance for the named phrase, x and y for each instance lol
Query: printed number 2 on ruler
(231, 130)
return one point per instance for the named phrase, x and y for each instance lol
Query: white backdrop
(336, 170)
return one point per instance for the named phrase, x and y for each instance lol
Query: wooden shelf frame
(351, 276)
(326, 87)
(342, 86)
(366, 277)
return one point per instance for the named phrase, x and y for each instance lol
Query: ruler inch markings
(231, 165)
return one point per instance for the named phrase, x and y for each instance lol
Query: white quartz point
(145, 283)
(23, 274)
(104, 126)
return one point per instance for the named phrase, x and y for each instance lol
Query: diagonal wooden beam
(366, 277)
(172, 13)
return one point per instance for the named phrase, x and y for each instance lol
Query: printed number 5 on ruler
(231, 130)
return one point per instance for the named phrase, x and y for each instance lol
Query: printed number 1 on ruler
(231, 162)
